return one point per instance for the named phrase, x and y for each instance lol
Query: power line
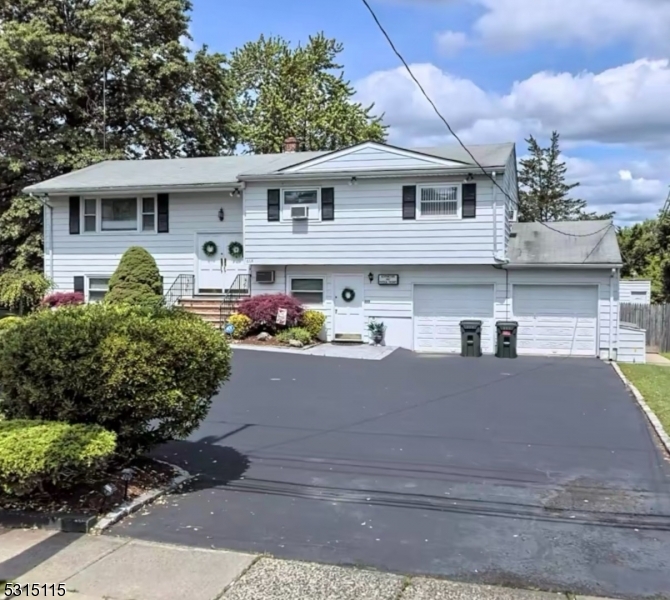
(451, 130)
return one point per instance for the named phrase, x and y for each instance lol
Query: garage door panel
(439, 310)
(559, 320)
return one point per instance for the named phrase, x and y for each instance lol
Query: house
(635, 291)
(418, 238)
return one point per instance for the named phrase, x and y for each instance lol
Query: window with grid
(90, 214)
(97, 288)
(148, 214)
(308, 291)
(439, 201)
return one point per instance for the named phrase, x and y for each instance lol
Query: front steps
(213, 309)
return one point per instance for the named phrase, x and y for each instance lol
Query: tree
(86, 80)
(299, 92)
(544, 194)
(136, 280)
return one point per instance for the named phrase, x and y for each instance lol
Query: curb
(113, 517)
(651, 417)
(65, 523)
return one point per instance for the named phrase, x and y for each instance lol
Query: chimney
(290, 144)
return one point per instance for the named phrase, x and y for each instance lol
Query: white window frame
(323, 289)
(459, 201)
(87, 288)
(286, 212)
(98, 214)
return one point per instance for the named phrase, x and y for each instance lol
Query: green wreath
(209, 248)
(348, 295)
(236, 250)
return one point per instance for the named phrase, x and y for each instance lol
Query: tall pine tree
(544, 194)
(86, 80)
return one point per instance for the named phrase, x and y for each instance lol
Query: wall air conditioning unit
(299, 213)
(265, 276)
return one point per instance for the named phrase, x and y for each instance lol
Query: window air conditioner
(299, 212)
(265, 276)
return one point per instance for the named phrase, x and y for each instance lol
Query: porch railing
(240, 288)
(183, 287)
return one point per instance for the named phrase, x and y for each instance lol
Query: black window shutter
(327, 204)
(79, 284)
(75, 205)
(469, 192)
(409, 202)
(163, 213)
(273, 205)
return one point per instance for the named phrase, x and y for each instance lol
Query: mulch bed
(273, 341)
(89, 498)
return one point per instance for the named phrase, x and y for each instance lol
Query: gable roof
(224, 171)
(536, 244)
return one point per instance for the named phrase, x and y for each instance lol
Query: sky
(596, 71)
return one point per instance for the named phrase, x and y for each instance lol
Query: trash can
(506, 331)
(471, 338)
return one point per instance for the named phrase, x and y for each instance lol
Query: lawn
(654, 384)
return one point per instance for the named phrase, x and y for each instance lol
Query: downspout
(495, 217)
(611, 344)
(45, 202)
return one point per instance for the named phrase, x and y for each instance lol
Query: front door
(348, 291)
(217, 269)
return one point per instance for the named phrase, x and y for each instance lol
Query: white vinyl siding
(439, 310)
(368, 228)
(175, 252)
(636, 291)
(556, 319)
(632, 344)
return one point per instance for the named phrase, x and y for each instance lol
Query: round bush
(62, 299)
(263, 309)
(242, 325)
(313, 321)
(295, 333)
(10, 321)
(136, 280)
(146, 374)
(35, 453)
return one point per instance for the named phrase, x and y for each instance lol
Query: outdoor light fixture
(353, 181)
(470, 177)
(221, 214)
(109, 489)
(126, 476)
(235, 192)
(371, 277)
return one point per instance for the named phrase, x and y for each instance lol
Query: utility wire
(453, 133)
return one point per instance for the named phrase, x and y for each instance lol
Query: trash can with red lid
(506, 331)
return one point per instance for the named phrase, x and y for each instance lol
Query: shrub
(313, 321)
(262, 310)
(295, 333)
(242, 325)
(62, 299)
(10, 321)
(34, 453)
(147, 374)
(136, 280)
(21, 291)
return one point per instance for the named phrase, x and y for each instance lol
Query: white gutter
(495, 218)
(563, 266)
(218, 187)
(611, 344)
(404, 173)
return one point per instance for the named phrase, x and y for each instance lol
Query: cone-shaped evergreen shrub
(136, 280)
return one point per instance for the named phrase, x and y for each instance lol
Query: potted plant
(376, 329)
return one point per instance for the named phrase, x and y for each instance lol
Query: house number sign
(388, 279)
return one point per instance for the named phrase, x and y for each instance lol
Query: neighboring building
(635, 291)
(417, 238)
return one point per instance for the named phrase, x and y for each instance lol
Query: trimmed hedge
(136, 280)
(35, 453)
(146, 374)
(263, 309)
(313, 321)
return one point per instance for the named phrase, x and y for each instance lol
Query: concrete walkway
(97, 568)
(353, 351)
(658, 360)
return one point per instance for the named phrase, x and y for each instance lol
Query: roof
(222, 171)
(587, 243)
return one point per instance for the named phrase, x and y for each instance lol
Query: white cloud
(450, 43)
(624, 107)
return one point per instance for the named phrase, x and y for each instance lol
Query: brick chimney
(291, 144)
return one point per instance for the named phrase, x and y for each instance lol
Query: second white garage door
(439, 309)
(556, 319)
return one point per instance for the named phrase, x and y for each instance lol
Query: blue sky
(500, 70)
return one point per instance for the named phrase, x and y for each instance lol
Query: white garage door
(439, 309)
(556, 319)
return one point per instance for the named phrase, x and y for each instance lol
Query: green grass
(666, 354)
(654, 384)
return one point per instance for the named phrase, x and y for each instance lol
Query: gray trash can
(471, 338)
(507, 331)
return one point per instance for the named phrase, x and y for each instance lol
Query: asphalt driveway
(529, 472)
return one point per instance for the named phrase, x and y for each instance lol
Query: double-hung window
(309, 198)
(97, 288)
(308, 291)
(440, 201)
(119, 214)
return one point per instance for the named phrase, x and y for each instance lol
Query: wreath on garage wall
(209, 248)
(348, 294)
(236, 250)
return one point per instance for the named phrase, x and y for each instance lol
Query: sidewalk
(101, 567)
